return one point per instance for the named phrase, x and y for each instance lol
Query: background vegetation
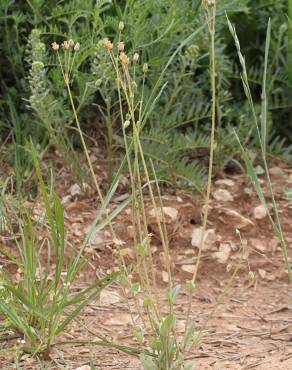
(168, 107)
(34, 102)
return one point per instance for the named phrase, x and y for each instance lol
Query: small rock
(258, 244)
(223, 254)
(170, 213)
(222, 195)
(260, 212)
(164, 275)
(75, 190)
(190, 269)
(262, 273)
(210, 238)
(240, 222)
(226, 182)
(276, 171)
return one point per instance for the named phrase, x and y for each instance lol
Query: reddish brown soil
(250, 329)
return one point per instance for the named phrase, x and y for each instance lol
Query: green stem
(212, 25)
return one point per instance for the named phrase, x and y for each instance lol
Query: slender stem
(88, 158)
(211, 15)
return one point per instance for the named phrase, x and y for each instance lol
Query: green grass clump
(42, 304)
(261, 130)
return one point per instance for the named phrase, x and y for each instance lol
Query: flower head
(71, 43)
(136, 57)
(145, 67)
(121, 26)
(121, 46)
(124, 58)
(66, 45)
(107, 44)
(77, 47)
(55, 46)
(208, 3)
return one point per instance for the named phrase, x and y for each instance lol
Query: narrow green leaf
(147, 362)
(103, 283)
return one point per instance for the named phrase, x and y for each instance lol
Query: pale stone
(75, 190)
(188, 268)
(258, 244)
(170, 213)
(223, 254)
(260, 212)
(209, 238)
(226, 182)
(223, 195)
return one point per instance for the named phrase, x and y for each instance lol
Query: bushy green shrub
(178, 126)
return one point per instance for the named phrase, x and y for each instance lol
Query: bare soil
(250, 329)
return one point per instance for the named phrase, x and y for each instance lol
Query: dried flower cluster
(121, 46)
(66, 45)
(124, 58)
(121, 49)
(55, 46)
(136, 57)
(107, 44)
(208, 3)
